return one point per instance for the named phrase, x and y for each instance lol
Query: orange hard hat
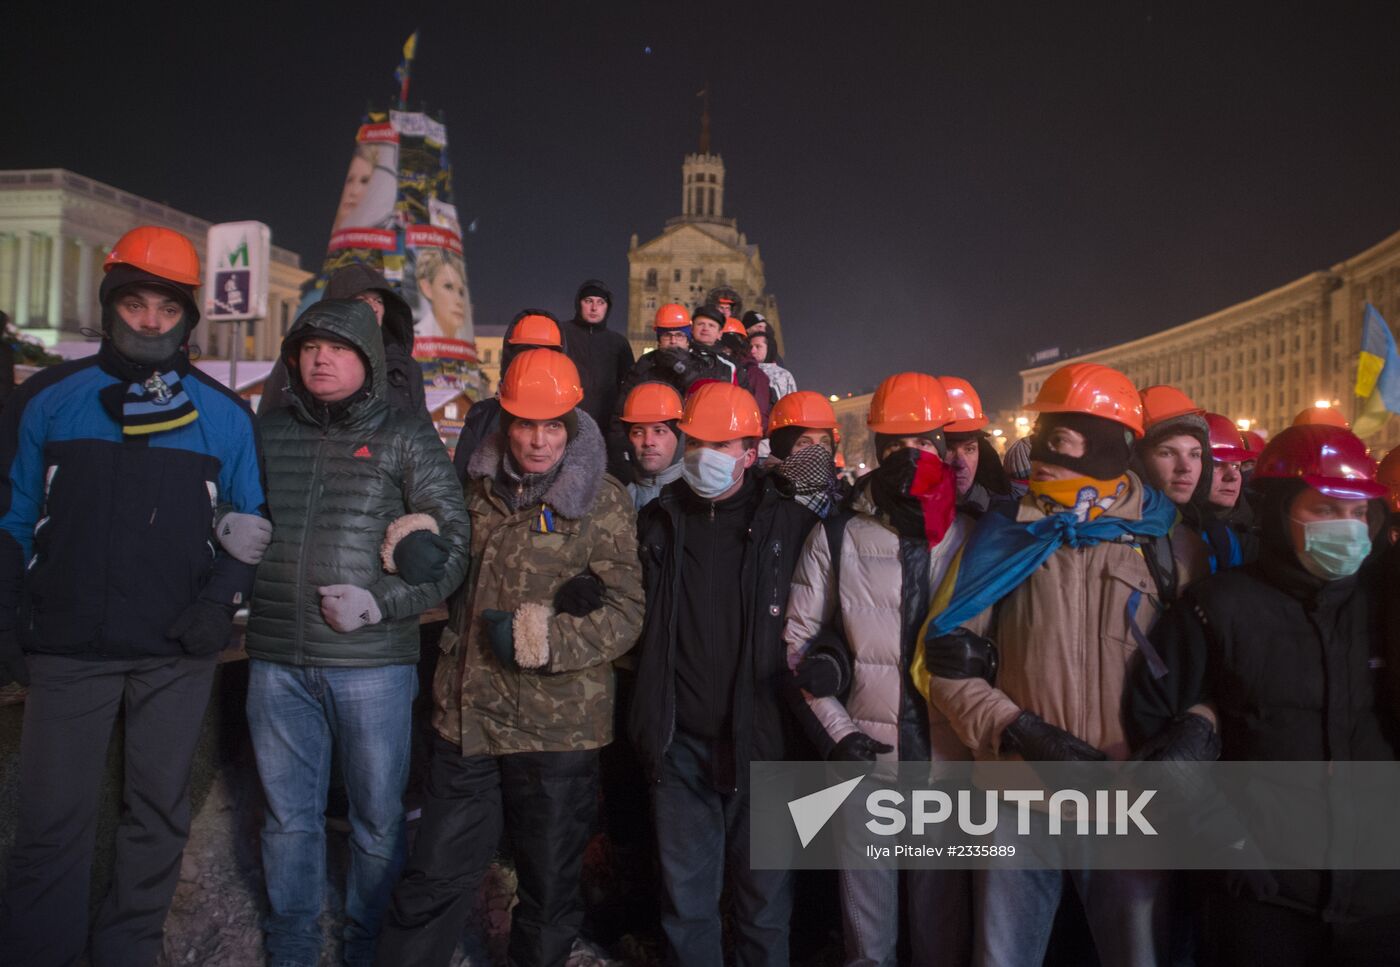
(1161, 403)
(1094, 390)
(541, 384)
(159, 251)
(1321, 416)
(966, 405)
(909, 403)
(1388, 473)
(733, 325)
(652, 403)
(802, 408)
(535, 330)
(717, 412)
(672, 315)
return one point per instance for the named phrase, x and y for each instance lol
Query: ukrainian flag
(1377, 375)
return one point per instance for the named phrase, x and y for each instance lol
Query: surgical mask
(1334, 549)
(709, 472)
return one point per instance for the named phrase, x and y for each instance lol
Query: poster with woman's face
(442, 328)
(372, 181)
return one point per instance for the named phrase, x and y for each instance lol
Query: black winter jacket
(402, 373)
(1286, 660)
(603, 358)
(761, 727)
(338, 477)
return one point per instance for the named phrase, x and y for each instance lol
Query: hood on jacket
(351, 322)
(756, 324)
(581, 471)
(509, 352)
(350, 280)
(1187, 425)
(592, 287)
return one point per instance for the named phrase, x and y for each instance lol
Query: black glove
(858, 747)
(961, 654)
(1189, 738)
(500, 635)
(1036, 740)
(13, 667)
(421, 557)
(818, 675)
(580, 595)
(202, 629)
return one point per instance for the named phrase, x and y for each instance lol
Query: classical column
(85, 276)
(24, 265)
(53, 313)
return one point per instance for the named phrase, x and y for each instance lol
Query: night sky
(946, 188)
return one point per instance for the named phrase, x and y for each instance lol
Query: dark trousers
(702, 836)
(1243, 931)
(68, 718)
(546, 802)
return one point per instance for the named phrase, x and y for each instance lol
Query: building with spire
(699, 250)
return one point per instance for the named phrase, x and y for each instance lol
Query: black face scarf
(915, 491)
(1106, 450)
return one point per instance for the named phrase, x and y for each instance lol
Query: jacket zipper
(301, 550)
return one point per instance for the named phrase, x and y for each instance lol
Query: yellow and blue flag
(405, 68)
(1377, 375)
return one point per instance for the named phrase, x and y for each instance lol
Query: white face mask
(709, 472)
(1334, 549)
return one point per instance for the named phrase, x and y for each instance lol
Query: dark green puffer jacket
(337, 477)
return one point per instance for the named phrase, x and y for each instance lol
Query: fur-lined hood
(575, 490)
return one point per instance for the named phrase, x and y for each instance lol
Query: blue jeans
(702, 834)
(1014, 912)
(297, 715)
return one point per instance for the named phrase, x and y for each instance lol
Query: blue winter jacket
(106, 539)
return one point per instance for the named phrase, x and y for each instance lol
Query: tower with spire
(698, 250)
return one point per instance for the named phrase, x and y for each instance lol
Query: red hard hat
(1329, 459)
(1093, 390)
(1388, 474)
(1254, 443)
(966, 405)
(1226, 444)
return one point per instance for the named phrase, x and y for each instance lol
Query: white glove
(244, 536)
(347, 607)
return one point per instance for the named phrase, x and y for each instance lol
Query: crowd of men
(655, 577)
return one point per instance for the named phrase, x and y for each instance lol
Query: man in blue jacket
(114, 595)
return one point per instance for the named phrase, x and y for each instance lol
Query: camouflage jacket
(522, 558)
